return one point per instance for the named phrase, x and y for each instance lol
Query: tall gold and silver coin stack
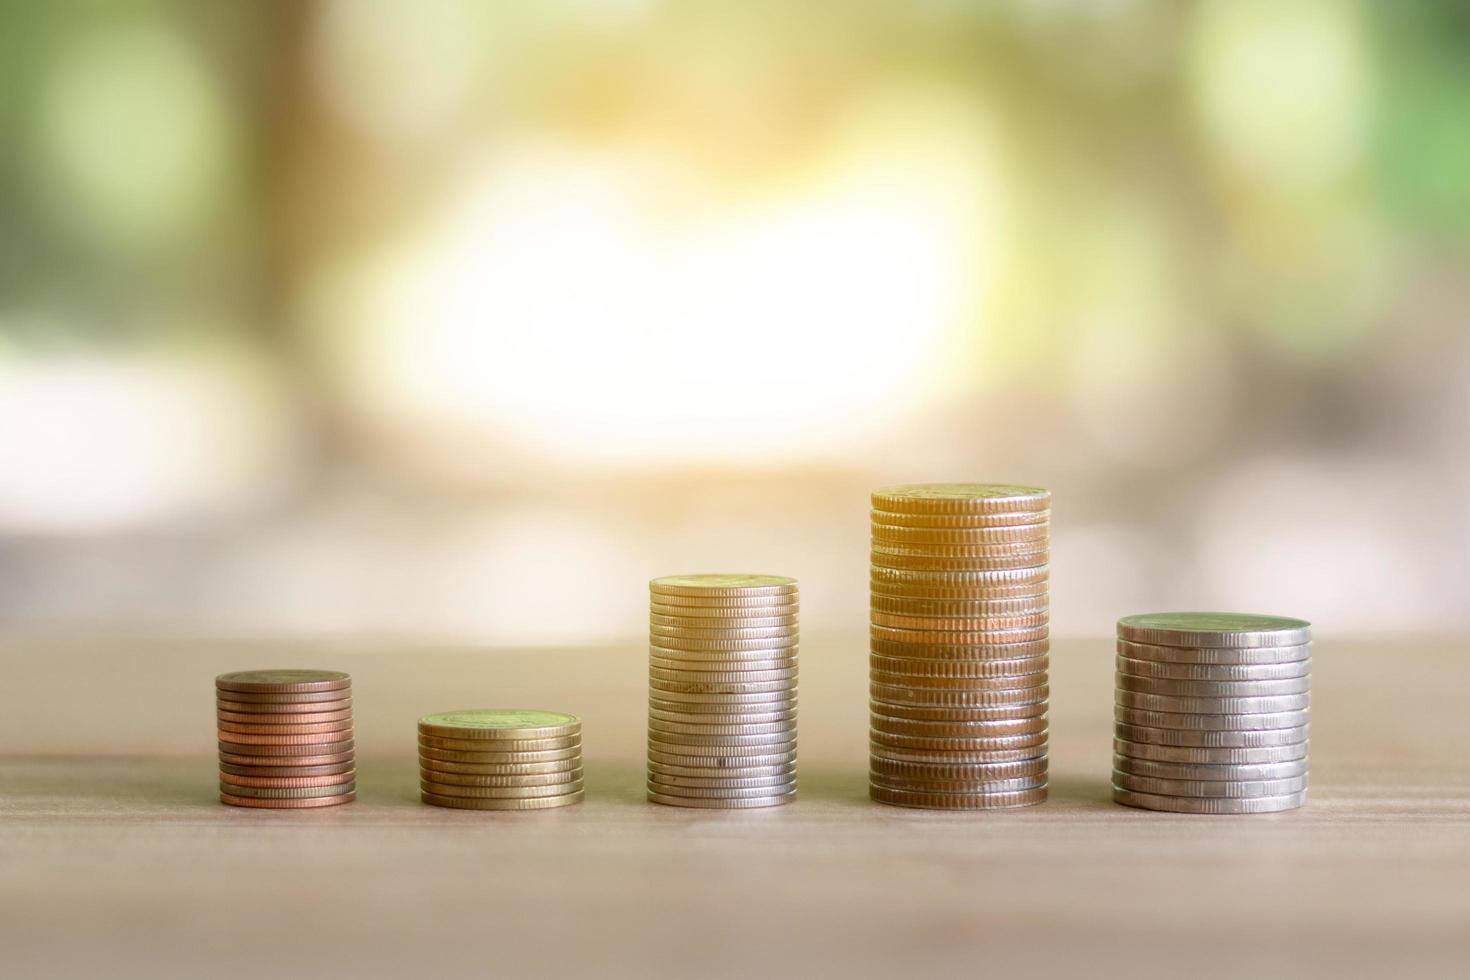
(959, 642)
(1212, 712)
(722, 690)
(500, 759)
(285, 739)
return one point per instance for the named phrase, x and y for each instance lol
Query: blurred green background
(462, 320)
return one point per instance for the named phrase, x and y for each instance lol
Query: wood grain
(115, 858)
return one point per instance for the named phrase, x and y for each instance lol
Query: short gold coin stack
(285, 739)
(959, 642)
(500, 759)
(722, 690)
(1211, 712)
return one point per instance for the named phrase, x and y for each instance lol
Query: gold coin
(1003, 653)
(725, 667)
(716, 616)
(959, 608)
(966, 786)
(955, 772)
(499, 744)
(722, 772)
(721, 804)
(718, 659)
(1032, 559)
(500, 723)
(700, 605)
(960, 498)
(470, 803)
(1000, 519)
(1030, 534)
(723, 585)
(534, 779)
(957, 801)
(1029, 550)
(1005, 583)
(893, 634)
(695, 645)
(722, 676)
(958, 744)
(952, 624)
(723, 624)
(499, 792)
(502, 769)
(945, 731)
(498, 758)
(1001, 712)
(692, 633)
(997, 674)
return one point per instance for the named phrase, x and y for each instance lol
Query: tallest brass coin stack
(959, 644)
(722, 691)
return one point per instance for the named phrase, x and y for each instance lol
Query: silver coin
(1169, 687)
(1209, 787)
(1211, 739)
(1210, 805)
(741, 679)
(927, 785)
(736, 667)
(718, 658)
(1211, 722)
(1235, 773)
(701, 760)
(951, 772)
(783, 780)
(995, 673)
(724, 718)
(1213, 706)
(685, 728)
(908, 712)
(734, 747)
(1207, 629)
(750, 709)
(1212, 672)
(940, 698)
(1204, 756)
(783, 737)
(722, 772)
(1244, 656)
(929, 728)
(940, 758)
(662, 692)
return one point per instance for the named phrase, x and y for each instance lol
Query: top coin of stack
(285, 738)
(722, 690)
(959, 642)
(500, 759)
(1211, 712)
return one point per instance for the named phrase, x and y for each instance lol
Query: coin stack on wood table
(1212, 712)
(500, 759)
(959, 641)
(722, 690)
(285, 738)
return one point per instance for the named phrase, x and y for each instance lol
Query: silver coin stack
(722, 690)
(1212, 712)
(958, 648)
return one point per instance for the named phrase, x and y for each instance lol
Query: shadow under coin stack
(959, 642)
(1212, 712)
(722, 690)
(285, 739)
(500, 759)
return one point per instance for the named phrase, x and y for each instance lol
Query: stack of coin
(1212, 712)
(500, 759)
(285, 738)
(722, 690)
(959, 641)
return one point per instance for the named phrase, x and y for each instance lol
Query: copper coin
(302, 697)
(236, 739)
(289, 772)
(1002, 672)
(960, 536)
(288, 782)
(918, 682)
(949, 624)
(1019, 740)
(1026, 559)
(722, 623)
(1002, 653)
(959, 608)
(928, 637)
(946, 772)
(287, 804)
(502, 768)
(283, 718)
(934, 757)
(283, 681)
(324, 728)
(938, 697)
(947, 731)
(988, 788)
(281, 761)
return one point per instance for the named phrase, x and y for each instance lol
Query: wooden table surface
(116, 858)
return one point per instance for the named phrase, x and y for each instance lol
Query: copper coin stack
(959, 643)
(1211, 712)
(722, 690)
(500, 759)
(285, 739)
